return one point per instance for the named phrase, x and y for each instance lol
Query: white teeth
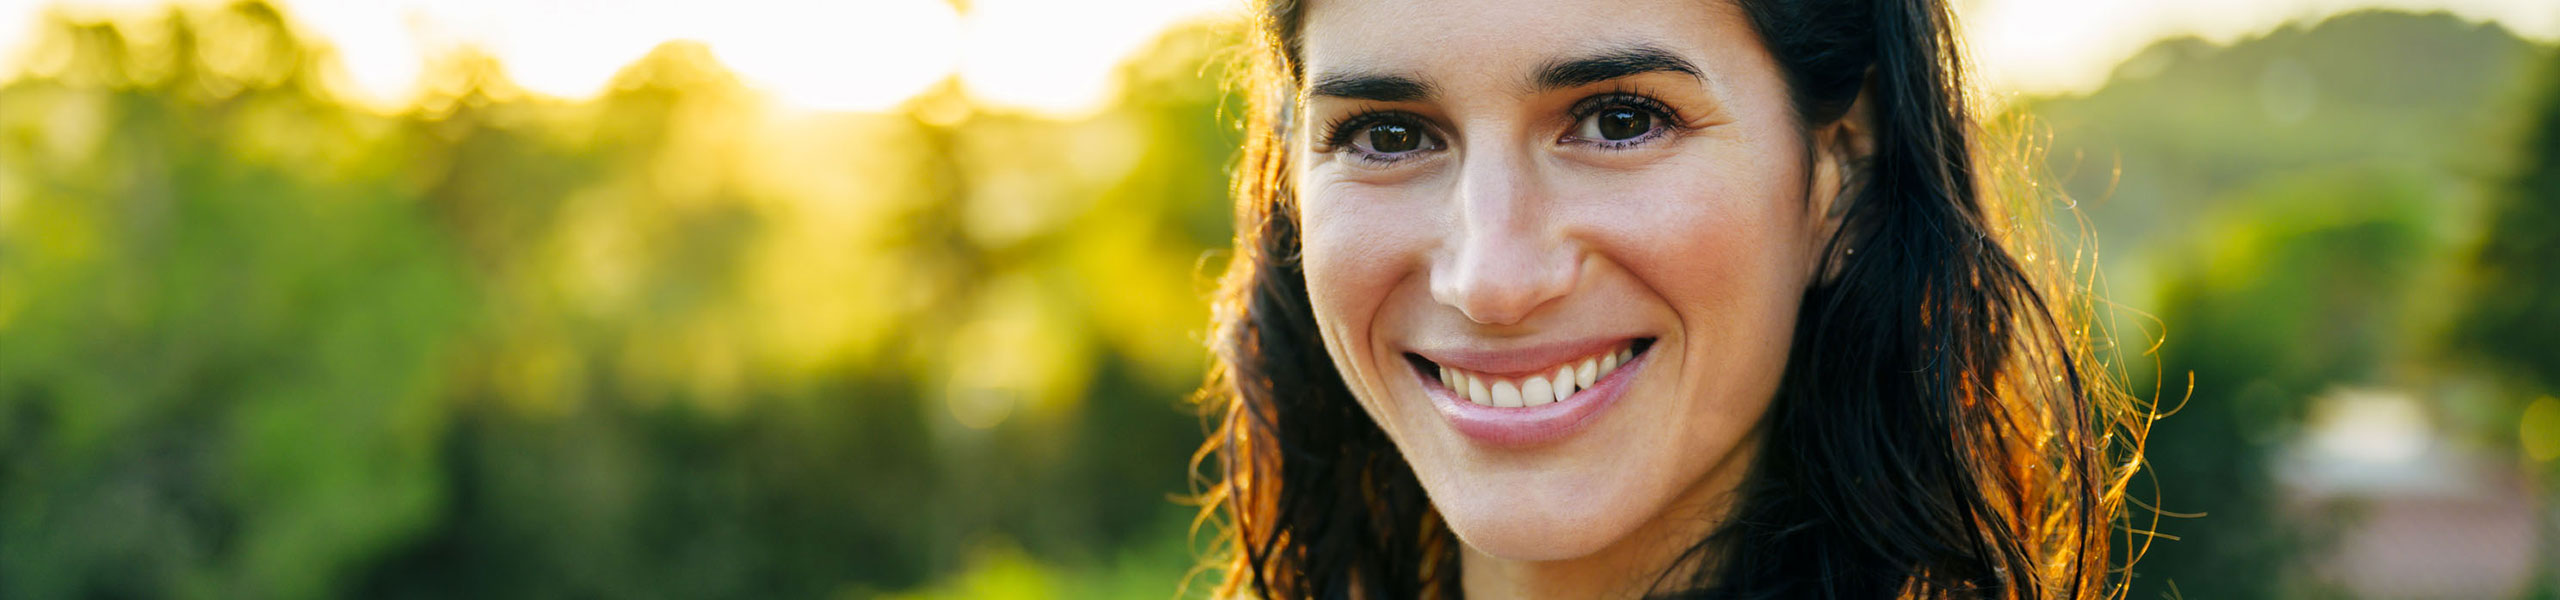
(1537, 391)
(1540, 389)
(1505, 395)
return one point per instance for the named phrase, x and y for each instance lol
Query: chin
(1509, 535)
(1534, 516)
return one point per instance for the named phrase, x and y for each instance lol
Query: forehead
(1497, 39)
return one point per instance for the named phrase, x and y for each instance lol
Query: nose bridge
(1509, 255)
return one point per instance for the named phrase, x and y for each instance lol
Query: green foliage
(673, 342)
(2512, 325)
(218, 373)
(2290, 211)
(2515, 322)
(256, 341)
(2301, 286)
(2184, 123)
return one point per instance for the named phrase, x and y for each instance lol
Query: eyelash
(1338, 134)
(1666, 119)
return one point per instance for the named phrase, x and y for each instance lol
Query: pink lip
(1520, 362)
(1533, 425)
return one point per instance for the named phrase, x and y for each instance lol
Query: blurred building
(2406, 512)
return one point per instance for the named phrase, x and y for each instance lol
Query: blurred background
(904, 298)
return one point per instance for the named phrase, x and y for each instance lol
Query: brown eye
(1621, 121)
(1622, 124)
(1390, 138)
(1382, 137)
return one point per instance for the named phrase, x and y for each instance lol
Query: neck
(1631, 566)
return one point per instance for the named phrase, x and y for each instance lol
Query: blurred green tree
(221, 320)
(2514, 318)
(675, 342)
(2281, 204)
(2299, 286)
(2512, 321)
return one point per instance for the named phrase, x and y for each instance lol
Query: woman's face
(1556, 250)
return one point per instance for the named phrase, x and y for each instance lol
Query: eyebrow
(1371, 86)
(1626, 61)
(1614, 63)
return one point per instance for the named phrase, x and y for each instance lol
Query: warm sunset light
(2052, 46)
(823, 55)
(1056, 57)
(1019, 299)
(1048, 57)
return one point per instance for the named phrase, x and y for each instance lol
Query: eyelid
(1340, 129)
(1586, 107)
(1669, 121)
(1337, 134)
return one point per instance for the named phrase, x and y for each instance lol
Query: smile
(1556, 384)
(1528, 397)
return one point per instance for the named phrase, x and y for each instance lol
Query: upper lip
(1520, 360)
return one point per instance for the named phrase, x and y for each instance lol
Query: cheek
(1722, 237)
(1360, 245)
(1718, 226)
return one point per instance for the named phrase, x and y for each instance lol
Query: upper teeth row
(1539, 389)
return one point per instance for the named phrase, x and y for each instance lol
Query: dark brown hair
(1940, 431)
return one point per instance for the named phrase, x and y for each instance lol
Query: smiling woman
(1587, 299)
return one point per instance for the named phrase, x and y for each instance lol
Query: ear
(1839, 153)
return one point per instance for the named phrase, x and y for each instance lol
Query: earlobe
(1840, 153)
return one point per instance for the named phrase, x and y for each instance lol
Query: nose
(1510, 255)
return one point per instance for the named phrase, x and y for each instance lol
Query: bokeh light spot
(2539, 430)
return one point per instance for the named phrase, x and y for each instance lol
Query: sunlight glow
(837, 55)
(383, 59)
(1056, 58)
(824, 55)
(2048, 46)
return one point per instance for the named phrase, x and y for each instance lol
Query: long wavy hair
(1941, 429)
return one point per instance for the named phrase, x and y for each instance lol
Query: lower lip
(1531, 425)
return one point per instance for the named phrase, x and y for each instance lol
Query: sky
(2044, 46)
(1055, 57)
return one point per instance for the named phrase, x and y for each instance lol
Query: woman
(1642, 298)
